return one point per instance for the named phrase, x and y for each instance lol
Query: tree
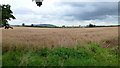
(38, 2)
(32, 25)
(23, 24)
(0, 16)
(7, 14)
(91, 25)
(63, 26)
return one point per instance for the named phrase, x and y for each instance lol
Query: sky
(64, 12)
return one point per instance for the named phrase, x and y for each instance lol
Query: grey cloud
(101, 9)
(75, 11)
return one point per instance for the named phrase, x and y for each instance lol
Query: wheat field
(54, 37)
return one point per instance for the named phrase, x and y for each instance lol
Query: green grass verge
(82, 55)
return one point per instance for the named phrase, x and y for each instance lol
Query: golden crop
(54, 37)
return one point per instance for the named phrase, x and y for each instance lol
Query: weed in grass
(83, 55)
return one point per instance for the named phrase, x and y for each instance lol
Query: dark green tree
(7, 14)
(38, 2)
(32, 25)
(23, 24)
(91, 25)
(63, 26)
(0, 16)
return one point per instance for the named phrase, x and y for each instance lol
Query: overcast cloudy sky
(64, 12)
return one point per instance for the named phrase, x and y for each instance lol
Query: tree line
(64, 26)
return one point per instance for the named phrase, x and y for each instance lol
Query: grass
(27, 46)
(81, 55)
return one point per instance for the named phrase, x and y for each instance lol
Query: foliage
(23, 24)
(63, 26)
(7, 14)
(32, 25)
(82, 55)
(91, 25)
